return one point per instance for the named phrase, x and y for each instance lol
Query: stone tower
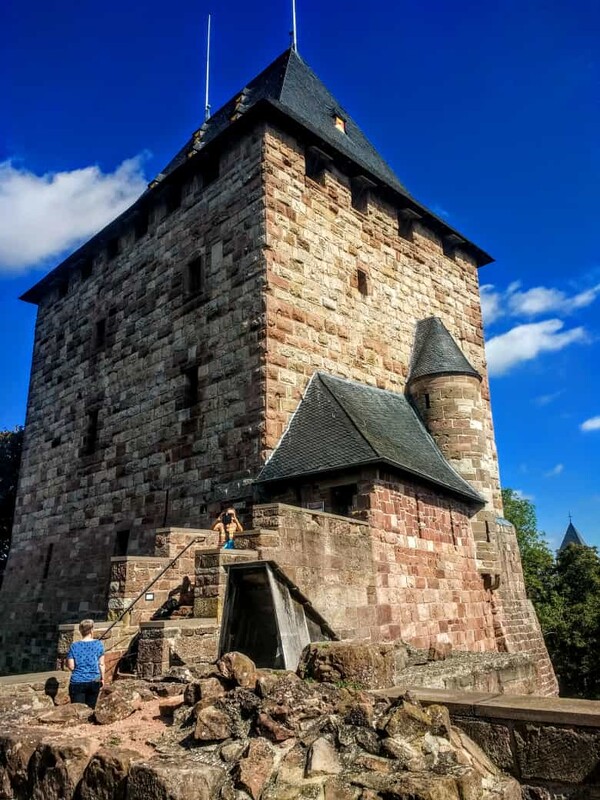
(447, 392)
(173, 350)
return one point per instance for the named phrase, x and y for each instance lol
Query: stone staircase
(164, 610)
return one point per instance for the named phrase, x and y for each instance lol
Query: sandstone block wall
(402, 574)
(134, 375)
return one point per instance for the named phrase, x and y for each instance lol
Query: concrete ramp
(267, 617)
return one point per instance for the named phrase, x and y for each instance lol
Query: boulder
(239, 669)
(407, 721)
(274, 731)
(368, 665)
(71, 714)
(56, 767)
(214, 724)
(179, 675)
(206, 690)
(169, 705)
(174, 779)
(16, 748)
(117, 701)
(255, 769)
(322, 759)
(105, 777)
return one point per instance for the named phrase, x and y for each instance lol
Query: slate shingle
(341, 424)
(436, 353)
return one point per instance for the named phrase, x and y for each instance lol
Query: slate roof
(290, 85)
(291, 88)
(436, 353)
(572, 536)
(341, 424)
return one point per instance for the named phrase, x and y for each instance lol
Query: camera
(226, 519)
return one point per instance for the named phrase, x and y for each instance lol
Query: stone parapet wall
(116, 638)
(211, 578)
(551, 745)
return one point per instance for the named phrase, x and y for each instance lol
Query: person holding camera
(227, 525)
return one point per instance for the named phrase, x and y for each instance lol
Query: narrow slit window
(173, 198)
(100, 334)
(362, 282)
(315, 164)
(90, 442)
(195, 275)
(210, 172)
(113, 248)
(190, 387)
(427, 401)
(141, 226)
(121, 543)
(86, 269)
(49, 550)
(360, 187)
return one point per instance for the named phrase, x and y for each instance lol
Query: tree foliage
(11, 443)
(566, 594)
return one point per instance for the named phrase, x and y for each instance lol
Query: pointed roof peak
(572, 536)
(435, 352)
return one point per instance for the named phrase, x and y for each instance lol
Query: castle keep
(276, 324)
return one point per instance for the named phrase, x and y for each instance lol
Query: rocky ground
(232, 732)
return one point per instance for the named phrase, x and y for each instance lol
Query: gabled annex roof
(572, 536)
(436, 353)
(341, 424)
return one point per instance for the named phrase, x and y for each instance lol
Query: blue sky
(487, 112)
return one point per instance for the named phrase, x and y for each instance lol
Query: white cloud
(526, 342)
(490, 303)
(513, 302)
(43, 215)
(544, 300)
(592, 424)
(521, 495)
(546, 399)
(557, 470)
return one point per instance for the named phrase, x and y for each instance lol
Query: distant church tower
(572, 536)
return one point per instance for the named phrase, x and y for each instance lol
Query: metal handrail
(145, 589)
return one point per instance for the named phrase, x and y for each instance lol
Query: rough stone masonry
(172, 350)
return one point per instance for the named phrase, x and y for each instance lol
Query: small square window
(113, 248)
(362, 282)
(340, 123)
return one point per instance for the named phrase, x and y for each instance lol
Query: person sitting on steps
(227, 525)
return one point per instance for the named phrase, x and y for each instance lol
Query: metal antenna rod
(294, 29)
(206, 103)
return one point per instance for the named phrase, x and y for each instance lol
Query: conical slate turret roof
(436, 353)
(341, 424)
(572, 536)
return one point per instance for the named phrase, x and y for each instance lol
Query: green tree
(574, 642)
(536, 556)
(11, 443)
